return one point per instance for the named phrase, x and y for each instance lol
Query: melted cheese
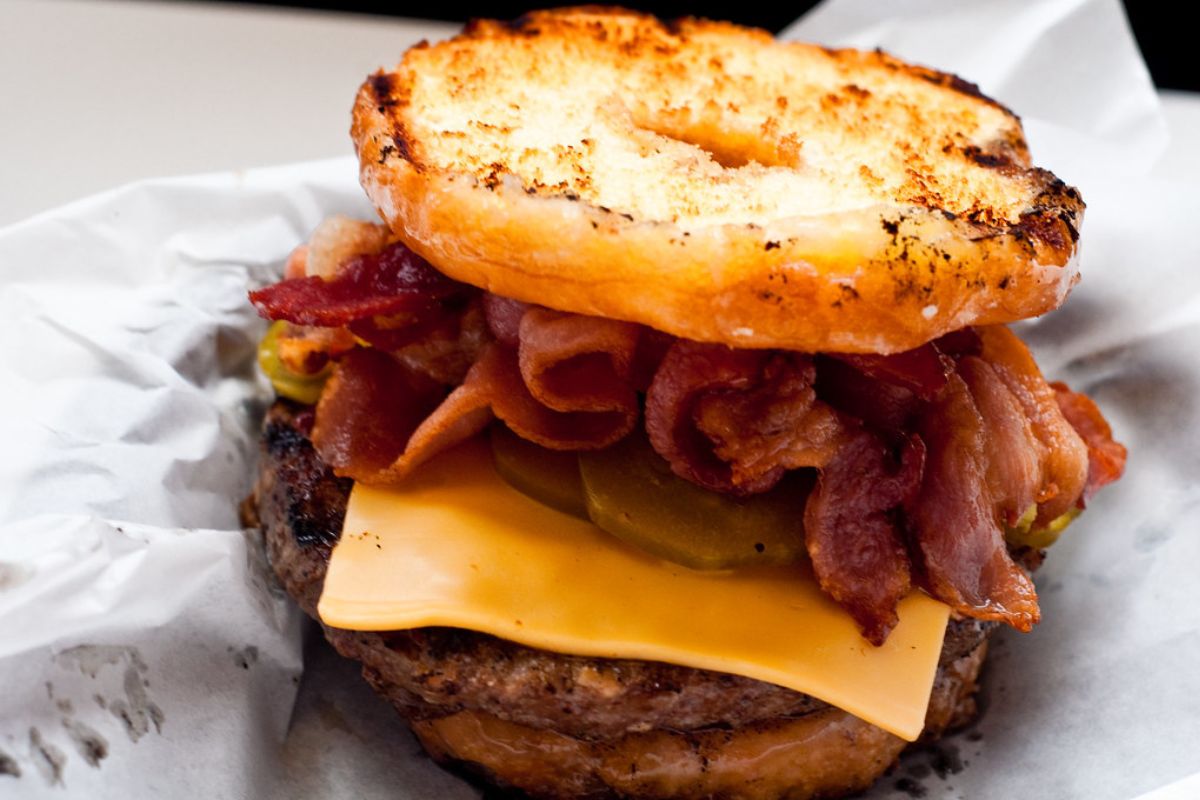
(456, 546)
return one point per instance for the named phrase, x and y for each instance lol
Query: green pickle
(548, 476)
(1024, 534)
(293, 385)
(632, 493)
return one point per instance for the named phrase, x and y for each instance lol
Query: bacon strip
(306, 350)
(558, 430)
(370, 406)
(393, 281)
(464, 413)
(447, 352)
(957, 531)
(883, 407)
(1106, 458)
(1062, 454)
(857, 551)
(567, 385)
(376, 422)
(735, 420)
(575, 363)
(922, 370)
(1014, 470)
(493, 386)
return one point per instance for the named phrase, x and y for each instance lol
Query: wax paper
(145, 650)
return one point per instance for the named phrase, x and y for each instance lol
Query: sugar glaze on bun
(713, 183)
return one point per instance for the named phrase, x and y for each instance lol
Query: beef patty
(458, 683)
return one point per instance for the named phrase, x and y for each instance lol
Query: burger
(666, 437)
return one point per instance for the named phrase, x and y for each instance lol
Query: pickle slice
(548, 476)
(294, 385)
(632, 493)
(1026, 535)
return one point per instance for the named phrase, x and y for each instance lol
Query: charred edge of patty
(433, 672)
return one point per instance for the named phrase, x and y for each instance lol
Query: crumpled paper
(146, 652)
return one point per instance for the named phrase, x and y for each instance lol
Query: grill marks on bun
(705, 180)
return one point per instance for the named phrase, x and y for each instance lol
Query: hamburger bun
(707, 181)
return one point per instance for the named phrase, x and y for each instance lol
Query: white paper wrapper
(146, 653)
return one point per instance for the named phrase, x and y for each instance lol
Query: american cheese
(456, 546)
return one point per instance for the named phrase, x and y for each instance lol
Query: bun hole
(731, 148)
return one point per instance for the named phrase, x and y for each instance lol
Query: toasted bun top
(703, 179)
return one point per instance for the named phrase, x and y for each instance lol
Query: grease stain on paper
(9, 765)
(90, 659)
(332, 718)
(926, 771)
(945, 760)
(136, 711)
(47, 759)
(88, 742)
(244, 657)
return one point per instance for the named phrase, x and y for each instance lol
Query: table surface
(97, 93)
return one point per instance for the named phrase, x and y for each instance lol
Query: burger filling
(941, 468)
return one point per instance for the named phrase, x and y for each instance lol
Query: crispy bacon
(447, 353)
(922, 370)
(884, 407)
(1106, 458)
(566, 385)
(957, 531)
(572, 362)
(395, 281)
(306, 350)
(1062, 454)
(531, 419)
(857, 552)
(1014, 471)
(464, 413)
(735, 420)
(370, 406)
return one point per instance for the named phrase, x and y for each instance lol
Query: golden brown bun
(829, 753)
(708, 181)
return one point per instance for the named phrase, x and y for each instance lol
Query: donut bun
(708, 181)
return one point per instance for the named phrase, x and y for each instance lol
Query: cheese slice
(457, 546)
